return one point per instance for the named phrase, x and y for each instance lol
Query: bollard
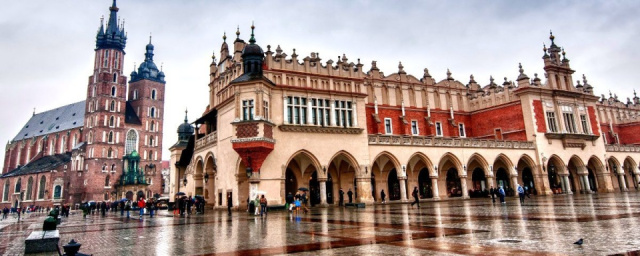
(72, 248)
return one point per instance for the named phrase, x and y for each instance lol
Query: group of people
(341, 197)
(124, 205)
(185, 206)
(298, 202)
(500, 193)
(258, 205)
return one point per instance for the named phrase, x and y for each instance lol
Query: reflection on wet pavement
(544, 225)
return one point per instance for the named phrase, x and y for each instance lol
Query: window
(569, 121)
(150, 154)
(414, 127)
(585, 124)
(104, 167)
(112, 106)
(18, 186)
(296, 110)
(93, 92)
(135, 94)
(57, 192)
(117, 62)
(151, 140)
(152, 113)
(320, 112)
(113, 167)
(112, 122)
(115, 79)
(153, 94)
(29, 188)
(438, 129)
(113, 88)
(265, 109)
(551, 121)
(247, 110)
(110, 153)
(90, 137)
(388, 129)
(5, 192)
(106, 58)
(106, 181)
(110, 138)
(153, 126)
(43, 183)
(132, 141)
(343, 113)
(461, 129)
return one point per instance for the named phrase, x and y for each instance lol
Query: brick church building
(105, 147)
(276, 122)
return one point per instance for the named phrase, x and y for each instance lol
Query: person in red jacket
(141, 205)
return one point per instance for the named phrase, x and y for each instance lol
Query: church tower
(106, 96)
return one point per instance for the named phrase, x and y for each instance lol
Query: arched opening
(527, 181)
(342, 168)
(18, 186)
(107, 181)
(393, 185)
(153, 94)
(628, 167)
(198, 176)
(29, 188)
(139, 195)
(330, 189)
(373, 187)
(593, 183)
(41, 187)
(113, 88)
(153, 112)
(57, 192)
(314, 189)
(454, 186)
(502, 180)
(112, 106)
(291, 182)
(618, 179)
(553, 169)
(478, 183)
(424, 184)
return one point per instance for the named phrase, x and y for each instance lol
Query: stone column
(403, 189)
(463, 183)
(567, 184)
(587, 186)
(563, 184)
(434, 187)
(514, 182)
(364, 190)
(583, 187)
(323, 192)
(490, 181)
(623, 185)
(637, 180)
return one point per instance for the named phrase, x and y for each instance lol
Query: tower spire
(186, 111)
(252, 40)
(113, 36)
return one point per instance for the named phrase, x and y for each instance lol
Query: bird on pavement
(579, 242)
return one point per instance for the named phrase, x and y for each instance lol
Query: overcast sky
(46, 47)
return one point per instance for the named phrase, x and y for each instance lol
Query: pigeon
(579, 242)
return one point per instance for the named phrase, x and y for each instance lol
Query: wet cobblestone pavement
(547, 225)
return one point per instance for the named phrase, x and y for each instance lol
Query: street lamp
(249, 170)
(206, 177)
(184, 181)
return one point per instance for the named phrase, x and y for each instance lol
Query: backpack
(263, 201)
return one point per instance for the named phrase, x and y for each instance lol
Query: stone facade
(299, 122)
(94, 135)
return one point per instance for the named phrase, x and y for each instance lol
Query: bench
(356, 205)
(42, 241)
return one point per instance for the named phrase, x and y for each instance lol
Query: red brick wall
(508, 118)
(539, 116)
(605, 130)
(594, 120)
(415, 114)
(629, 133)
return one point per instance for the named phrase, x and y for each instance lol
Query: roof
(187, 153)
(55, 120)
(130, 116)
(251, 77)
(43, 164)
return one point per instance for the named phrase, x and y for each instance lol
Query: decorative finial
(544, 47)
(252, 40)
(34, 109)
(448, 74)
(400, 67)
(584, 79)
(551, 36)
(134, 65)
(224, 37)
(213, 56)
(150, 35)
(101, 20)
(161, 65)
(238, 32)
(185, 114)
(520, 68)
(610, 95)
(634, 93)
(490, 79)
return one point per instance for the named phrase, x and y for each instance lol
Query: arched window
(18, 186)
(106, 181)
(132, 141)
(90, 137)
(110, 138)
(5, 192)
(153, 94)
(150, 154)
(90, 107)
(112, 107)
(63, 144)
(153, 126)
(153, 112)
(151, 140)
(135, 94)
(115, 79)
(110, 153)
(41, 187)
(52, 147)
(113, 88)
(113, 167)
(93, 92)
(29, 188)
(57, 192)
(104, 167)
(112, 121)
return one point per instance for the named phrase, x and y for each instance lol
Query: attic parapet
(312, 64)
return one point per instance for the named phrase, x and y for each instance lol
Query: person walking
(341, 197)
(501, 194)
(127, 207)
(289, 201)
(521, 194)
(5, 211)
(415, 197)
(141, 206)
(383, 196)
(103, 208)
(229, 203)
(263, 205)
(350, 195)
(150, 205)
(189, 204)
(121, 208)
(492, 192)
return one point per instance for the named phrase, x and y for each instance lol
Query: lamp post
(206, 177)
(184, 181)
(249, 170)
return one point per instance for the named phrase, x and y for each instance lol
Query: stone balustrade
(210, 139)
(447, 142)
(623, 148)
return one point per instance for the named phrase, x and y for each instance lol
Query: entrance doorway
(329, 186)
(454, 187)
(393, 185)
(314, 189)
(424, 184)
(527, 180)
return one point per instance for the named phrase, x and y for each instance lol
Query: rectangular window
(438, 129)
(265, 109)
(343, 113)
(296, 110)
(461, 129)
(569, 121)
(247, 110)
(585, 124)
(320, 112)
(387, 126)
(551, 121)
(414, 127)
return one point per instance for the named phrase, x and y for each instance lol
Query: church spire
(113, 36)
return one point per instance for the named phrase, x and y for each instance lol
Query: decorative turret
(148, 70)
(185, 130)
(114, 36)
(253, 57)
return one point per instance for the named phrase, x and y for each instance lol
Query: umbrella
(123, 200)
(303, 189)
(180, 194)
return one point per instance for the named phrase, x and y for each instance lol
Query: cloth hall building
(275, 123)
(105, 147)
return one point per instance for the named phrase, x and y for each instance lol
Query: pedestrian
(85, 210)
(5, 211)
(297, 204)
(103, 208)
(189, 205)
(501, 194)
(150, 207)
(415, 197)
(304, 201)
(229, 203)
(350, 195)
(18, 211)
(127, 207)
(521, 194)
(289, 201)
(383, 196)
(492, 192)
(121, 208)
(256, 202)
(263, 205)
(341, 197)
(141, 206)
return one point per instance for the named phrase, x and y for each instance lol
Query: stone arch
(210, 169)
(527, 173)
(629, 166)
(612, 162)
(576, 169)
(310, 156)
(507, 162)
(382, 163)
(416, 158)
(479, 161)
(419, 172)
(453, 160)
(344, 169)
(596, 174)
(452, 186)
(384, 166)
(618, 180)
(555, 167)
(198, 176)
